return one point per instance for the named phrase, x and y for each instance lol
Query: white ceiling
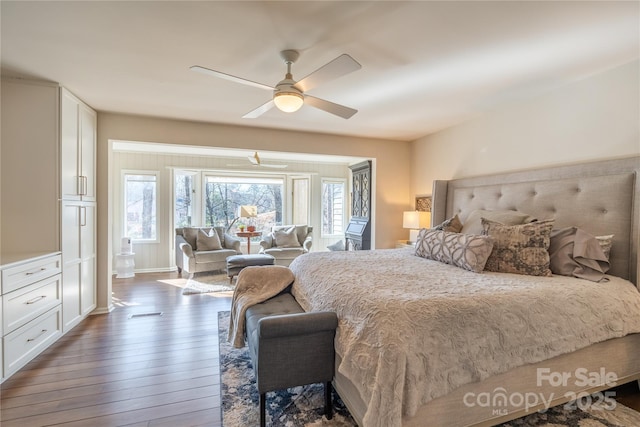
(425, 65)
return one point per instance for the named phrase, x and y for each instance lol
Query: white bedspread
(411, 330)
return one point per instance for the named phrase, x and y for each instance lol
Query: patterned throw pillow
(452, 225)
(473, 223)
(605, 243)
(208, 241)
(520, 249)
(462, 250)
(286, 238)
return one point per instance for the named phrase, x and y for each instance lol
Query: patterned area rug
(303, 406)
(207, 284)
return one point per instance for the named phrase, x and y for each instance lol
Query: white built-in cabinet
(79, 261)
(47, 205)
(78, 149)
(78, 208)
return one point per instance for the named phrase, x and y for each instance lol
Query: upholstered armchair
(200, 249)
(286, 242)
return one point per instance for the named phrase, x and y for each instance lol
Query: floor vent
(155, 313)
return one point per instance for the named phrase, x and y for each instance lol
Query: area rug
(303, 406)
(206, 284)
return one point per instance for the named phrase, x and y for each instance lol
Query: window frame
(156, 175)
(328, 180)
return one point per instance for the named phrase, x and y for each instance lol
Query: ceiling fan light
(288, 101)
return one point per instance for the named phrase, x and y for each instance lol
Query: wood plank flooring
(153, 371)
(118, 370)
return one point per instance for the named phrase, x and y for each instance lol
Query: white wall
(159, 255)
(595, 118)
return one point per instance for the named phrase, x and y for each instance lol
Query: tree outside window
(223, 196)
(140, 192)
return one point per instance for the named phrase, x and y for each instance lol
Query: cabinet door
(69, 153)
(87, 153)
(71, 264)
(88, 255)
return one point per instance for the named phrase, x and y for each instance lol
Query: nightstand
(404, 244)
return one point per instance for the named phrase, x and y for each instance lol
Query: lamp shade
(247, 211)
(416, 219)
(288, 101)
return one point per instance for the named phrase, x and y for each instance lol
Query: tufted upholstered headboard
(600, 197)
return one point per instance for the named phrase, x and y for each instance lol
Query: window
(140, 201)
(223, 195)
(333, 204)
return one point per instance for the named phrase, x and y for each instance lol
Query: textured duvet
(411, 329)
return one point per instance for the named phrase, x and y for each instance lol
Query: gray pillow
(337, 246)
(286, 238)
(208, 241)
(462, 250)
(574, 252)
(520, 249)
(473, 223)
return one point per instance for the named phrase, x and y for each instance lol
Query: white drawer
(25, 343)
(27, 303)
(30, 272)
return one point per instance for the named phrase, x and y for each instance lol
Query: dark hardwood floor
(118, 370)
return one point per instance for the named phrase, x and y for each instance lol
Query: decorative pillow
(462, 250)
(337, 246)
(605, 243)
(190, 234)
(452, 225)
(286, 238)
(208, 241)
(473, 223)
(520, 249)
(574, 252)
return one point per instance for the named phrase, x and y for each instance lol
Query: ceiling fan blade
(255, 159)
(229, 77)
(343, 64)
(330, 107)
(260, 110)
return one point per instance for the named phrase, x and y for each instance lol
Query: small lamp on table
(414, 221)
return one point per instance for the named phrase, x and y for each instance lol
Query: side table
(249, 235)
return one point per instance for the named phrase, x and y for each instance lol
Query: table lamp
(414, 221)
(244, 211)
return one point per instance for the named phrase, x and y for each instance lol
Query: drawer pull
(29, 273)
(36, 299)
(37, 336)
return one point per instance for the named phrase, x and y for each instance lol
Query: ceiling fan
(289, 95)
(255, 161)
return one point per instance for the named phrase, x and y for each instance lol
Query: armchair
(197, 251)
(286, 242)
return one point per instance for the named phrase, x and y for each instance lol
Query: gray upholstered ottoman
(236, 263)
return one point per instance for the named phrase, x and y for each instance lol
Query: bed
(421, 342)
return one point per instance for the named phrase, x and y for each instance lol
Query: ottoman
(235, 263)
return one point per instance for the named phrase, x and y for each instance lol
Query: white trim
(345, 208)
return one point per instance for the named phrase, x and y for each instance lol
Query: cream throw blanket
(254, 285)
